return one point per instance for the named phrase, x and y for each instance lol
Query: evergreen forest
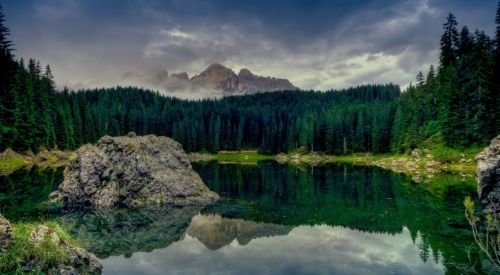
(455, 103)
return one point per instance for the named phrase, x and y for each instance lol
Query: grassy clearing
(44, 256)
(10, 163)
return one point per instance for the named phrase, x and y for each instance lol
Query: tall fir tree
(449, 42)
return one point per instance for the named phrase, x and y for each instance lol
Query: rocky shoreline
(488, 177)
(43, 239)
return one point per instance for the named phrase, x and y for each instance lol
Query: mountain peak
(219, 77)
(216, 77)
(245, 72)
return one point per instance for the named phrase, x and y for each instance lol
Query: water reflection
(24, 193)
(216, 232)
(319, 249)
(274, 219)
(127, 231)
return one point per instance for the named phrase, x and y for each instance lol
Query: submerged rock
(488, 176)
(131, 171)
(5, 233)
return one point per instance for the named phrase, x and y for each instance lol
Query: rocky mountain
(216, 80)
(218, 77)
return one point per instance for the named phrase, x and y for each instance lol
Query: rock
(488, 176)
(218, 77)
(78, 257)
(131, 171)
(248, 82)
(416, 153)
(67, 270)
(5, 233)
(38, 235)
(180, 76)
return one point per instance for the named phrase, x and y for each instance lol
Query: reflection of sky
(305, 250)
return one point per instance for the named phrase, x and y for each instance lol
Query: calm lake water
(274, 219)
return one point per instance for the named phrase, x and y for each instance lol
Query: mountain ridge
(219, 77)
(215, 79)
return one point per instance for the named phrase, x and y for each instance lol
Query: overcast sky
(316, 44)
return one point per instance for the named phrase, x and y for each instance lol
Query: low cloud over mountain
(214, 81)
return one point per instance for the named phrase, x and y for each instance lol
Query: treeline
(457, 103)
(270, 122)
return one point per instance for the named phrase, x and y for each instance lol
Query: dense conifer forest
(455, 103)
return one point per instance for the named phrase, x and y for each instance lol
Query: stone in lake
(131, 171)
(488, 176)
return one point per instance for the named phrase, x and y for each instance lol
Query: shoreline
(420, 164)
(11, 161)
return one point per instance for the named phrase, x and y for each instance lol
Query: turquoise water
(279, 219)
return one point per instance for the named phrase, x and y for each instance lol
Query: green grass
(362, 158)
(12, 163)
(241, 156)
(447, 154)
(45, 256)
(443, 153)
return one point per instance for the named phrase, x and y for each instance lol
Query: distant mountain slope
(218, 77)
(215, 80)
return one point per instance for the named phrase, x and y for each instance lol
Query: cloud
(317, 44)
(305, 250)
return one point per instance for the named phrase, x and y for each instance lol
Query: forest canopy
(455, 103)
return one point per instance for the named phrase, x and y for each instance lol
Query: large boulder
(131, 171)
(5, 233)
(488, 176)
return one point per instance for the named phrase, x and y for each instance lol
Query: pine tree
(7, 71)
(496, 75)
(449, 42)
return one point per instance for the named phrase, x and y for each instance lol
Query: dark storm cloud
(93, 43)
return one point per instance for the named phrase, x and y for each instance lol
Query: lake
(274, 219)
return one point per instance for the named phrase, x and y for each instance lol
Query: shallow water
(278, 219)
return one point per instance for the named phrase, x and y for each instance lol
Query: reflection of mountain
(126, 231)
(215, 231)
(361, 198)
